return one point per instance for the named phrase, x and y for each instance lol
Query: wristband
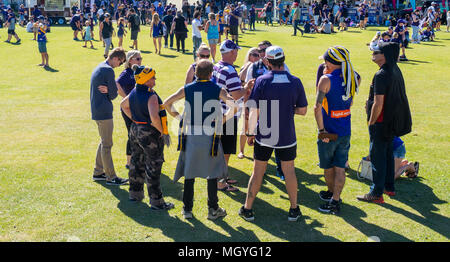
(248, 135)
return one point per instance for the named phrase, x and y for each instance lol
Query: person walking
(196, 33)
(252, 18)
(387, 94)
(148, 135)
(212, 31)
(287, 98)
(335, 93)
(167, 20)
(11, 25)
(201, 144)
(134, 26)
(106, 31)
(156, 32)
(179, 28)
(125, 83)
(101, 111)
(296, 19)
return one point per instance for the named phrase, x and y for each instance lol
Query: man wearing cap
(276, 97)
(335, 93)
(75, 23)
(401, 30)
(148, 134)
(235, 14)
(102, 114)
(387, 94)
(296, 19)
(228, 79)
(11, 24)
(133, 24)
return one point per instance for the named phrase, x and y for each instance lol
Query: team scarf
(339, 54)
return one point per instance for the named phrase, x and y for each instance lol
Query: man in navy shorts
(276, 97)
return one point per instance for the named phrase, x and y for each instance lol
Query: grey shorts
(42, 47)
(134, 35)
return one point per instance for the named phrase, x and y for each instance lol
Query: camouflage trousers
(147, 158)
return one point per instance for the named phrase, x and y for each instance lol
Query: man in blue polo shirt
(234, 24)
(276, 97)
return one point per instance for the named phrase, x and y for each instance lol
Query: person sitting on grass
(326, 27)
(427, 35)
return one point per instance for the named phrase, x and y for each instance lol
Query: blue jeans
(269, 17)
(415, 34)
(197, 42)
(333, 153)
(296, 27)
(382, 158)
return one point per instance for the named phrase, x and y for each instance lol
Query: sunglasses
(137, 58)
(254, 54)
(261, 50)
(377, 52)
(204, 56)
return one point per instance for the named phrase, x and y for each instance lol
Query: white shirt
(195, 30)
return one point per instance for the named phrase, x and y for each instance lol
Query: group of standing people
(216, 97)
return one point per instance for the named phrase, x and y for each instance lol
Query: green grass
(48, 144)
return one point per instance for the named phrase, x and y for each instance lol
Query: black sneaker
(117, 181)
(101, 177)
(294, 214)
(165, 206)
(325, 195)
(246, 214)
(332, 207)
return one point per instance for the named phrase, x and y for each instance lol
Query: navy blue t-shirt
(126, 80)
(277, 89)
(233, 20)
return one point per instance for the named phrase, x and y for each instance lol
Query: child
(87, 34)
(121, 31)
(403, 166)
(42, 44)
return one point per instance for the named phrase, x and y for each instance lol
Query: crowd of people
(225, 97)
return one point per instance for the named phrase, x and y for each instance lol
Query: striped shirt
(228, 79)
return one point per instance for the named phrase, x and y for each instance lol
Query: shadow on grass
(168, 56)
(146, 52)
(272, 219)
(174, 227)
(429, 43)
(50, 69)
(420, 197)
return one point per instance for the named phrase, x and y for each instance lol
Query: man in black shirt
(388, 115)
(167, 20)
(133, 24)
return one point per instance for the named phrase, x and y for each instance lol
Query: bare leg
(291, 181)
(254, 184)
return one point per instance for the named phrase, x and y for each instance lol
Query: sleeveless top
(138, 99)
(213, 31)
(107, 30)
(157, 30)
(335, 111)
(197, 94)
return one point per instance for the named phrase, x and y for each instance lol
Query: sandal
(228, 188)
(231, 181)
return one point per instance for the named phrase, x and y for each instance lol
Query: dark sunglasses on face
(377, 52)
(254, 54)
(261, 50)
(204, 56)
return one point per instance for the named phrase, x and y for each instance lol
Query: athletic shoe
(18, 41)
(326, 195)
(101, 177)
(294, 214)
(117, 181)
(371, 198)
(165, 206)
(215, 214)
(187, 214)
(389, 193)
(246, 214)
(332, 207)
(280, 176)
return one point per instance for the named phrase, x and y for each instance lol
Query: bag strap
(358, 172)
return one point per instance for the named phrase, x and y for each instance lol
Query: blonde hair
(395, 35)
(212, 16)
(203, 47)
(155, 19)
(130, 54)
(251, 50)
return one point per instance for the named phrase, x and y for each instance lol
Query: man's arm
(168, 103)
(377, 107)
(153, 109)
(111, 83)
(230, 102)
(125, 105)
(322, 90)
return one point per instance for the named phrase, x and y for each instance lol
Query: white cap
(274, 52)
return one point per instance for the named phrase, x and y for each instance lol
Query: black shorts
(234, 30)
(75, 28)
(263, 153)
(11, 32)
(134, 34)
(229, 139)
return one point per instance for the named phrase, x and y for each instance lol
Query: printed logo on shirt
(340, 113)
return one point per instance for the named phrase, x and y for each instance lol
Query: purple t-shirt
(126, 80)
(233, 20)
(285, 91)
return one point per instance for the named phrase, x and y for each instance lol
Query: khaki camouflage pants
(146, 162)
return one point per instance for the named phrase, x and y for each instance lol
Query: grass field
(48, 144)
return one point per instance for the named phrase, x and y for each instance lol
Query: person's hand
(265, 62)
(325, 140)
(103, 89)
(251, 140)
(249, 85)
